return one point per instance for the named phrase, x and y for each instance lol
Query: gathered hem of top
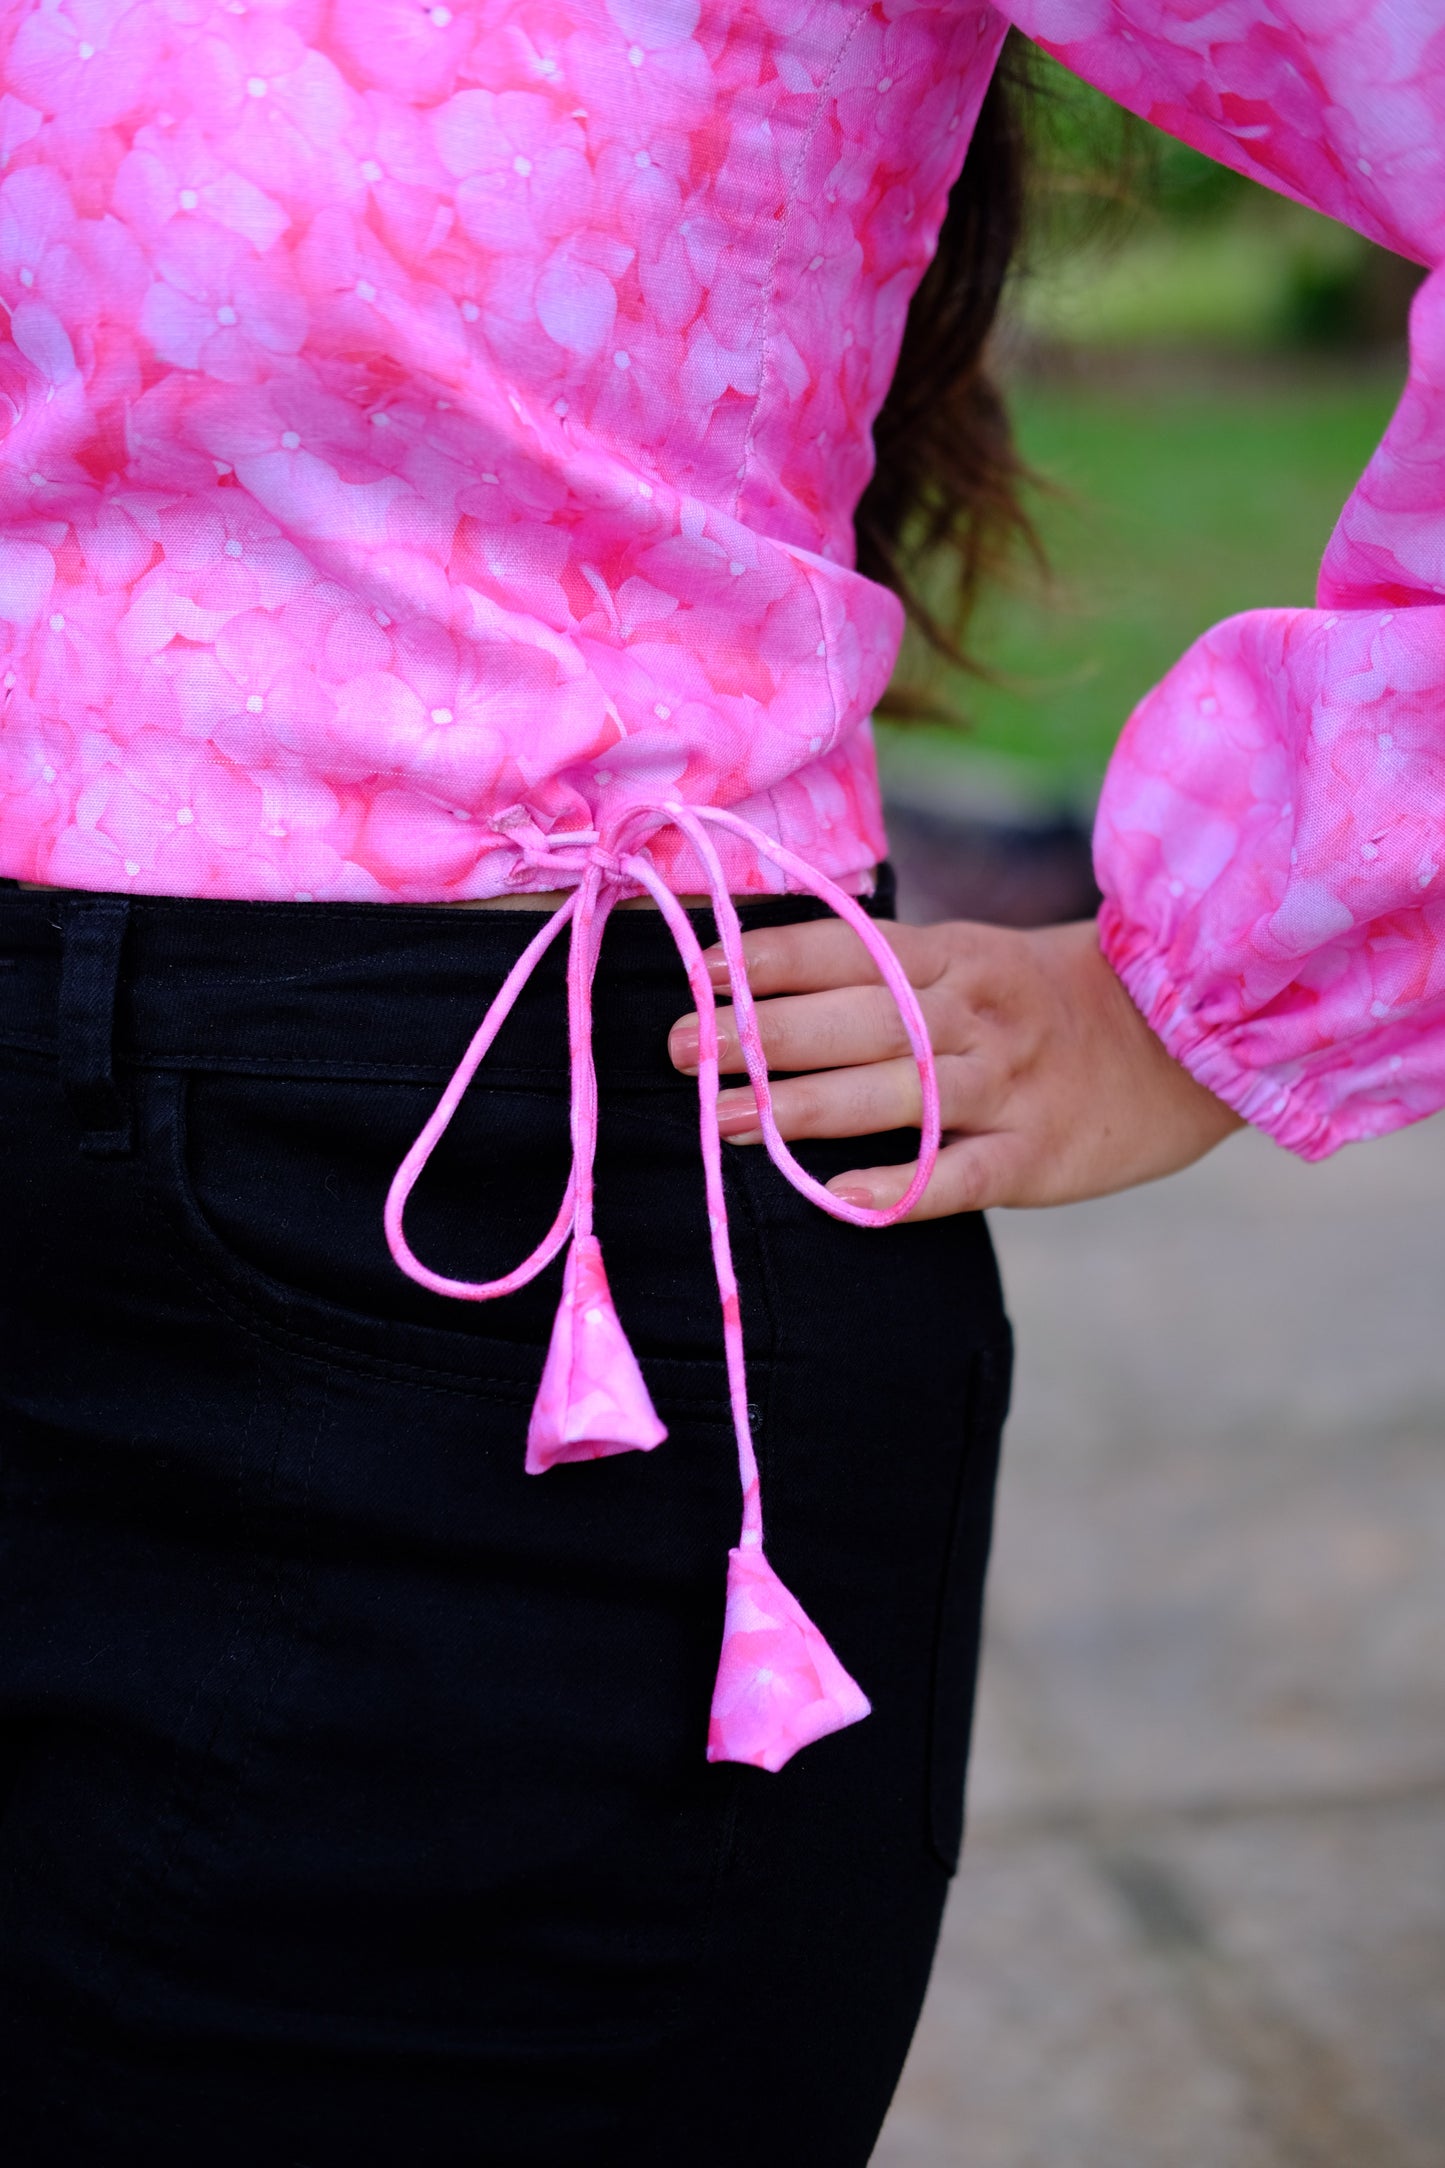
(325, 842)
(1269, 1099)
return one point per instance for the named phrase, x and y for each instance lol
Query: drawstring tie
(779, 1685)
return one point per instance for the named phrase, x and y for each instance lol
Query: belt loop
(93, 929)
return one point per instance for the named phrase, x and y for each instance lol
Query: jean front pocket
(273, 1188)
(273, 1191)
(960, 1608)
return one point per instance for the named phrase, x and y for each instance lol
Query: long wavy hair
(946, 504)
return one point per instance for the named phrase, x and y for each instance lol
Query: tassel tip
(779, 1685)
(592, 1401)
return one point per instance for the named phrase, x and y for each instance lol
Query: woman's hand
(1052, 1085)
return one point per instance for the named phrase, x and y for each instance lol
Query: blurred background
(1201, 1917)
(1197, 371)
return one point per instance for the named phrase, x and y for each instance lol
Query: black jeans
(353, 1800)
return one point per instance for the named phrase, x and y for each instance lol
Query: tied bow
(779, 1685)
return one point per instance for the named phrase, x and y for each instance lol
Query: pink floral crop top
(431, 438)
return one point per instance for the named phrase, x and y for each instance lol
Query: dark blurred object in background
(968, 848)
(1008, 874)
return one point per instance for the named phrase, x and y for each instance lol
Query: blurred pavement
(1201, 1917)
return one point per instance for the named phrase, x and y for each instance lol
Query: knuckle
(758, 964)
(902, 1105)
(774, 1032)
(805, 1105)
(952, 1018)
(774, 955)
(809, 1108)
(884, 1021)
(922, 951)
(969, 1189)
(963, 1175)
(861, 1111)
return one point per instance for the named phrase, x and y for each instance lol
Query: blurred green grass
(1270, 276)
(1179, 499)
(1199, 370)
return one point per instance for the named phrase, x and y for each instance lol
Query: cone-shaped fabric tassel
(779, 1685)
(592, 1400)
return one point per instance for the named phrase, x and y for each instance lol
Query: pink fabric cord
(779, 1685)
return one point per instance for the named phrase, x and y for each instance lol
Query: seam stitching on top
(770, 286)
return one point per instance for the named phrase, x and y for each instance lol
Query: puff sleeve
(1271, 834)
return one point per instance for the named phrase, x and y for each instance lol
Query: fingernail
(684, 1045)
(717, 969)
(852, 1195)
(735, 1115)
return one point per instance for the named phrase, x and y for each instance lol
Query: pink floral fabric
(421, 412)
(592, 1401)
(779, 1685)
(421, 420)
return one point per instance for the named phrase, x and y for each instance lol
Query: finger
(972, 1174)
(821, 953)
(859, 1102)
(834, 1030)
(865, 1101)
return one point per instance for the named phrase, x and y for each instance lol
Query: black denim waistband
(295, 989)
